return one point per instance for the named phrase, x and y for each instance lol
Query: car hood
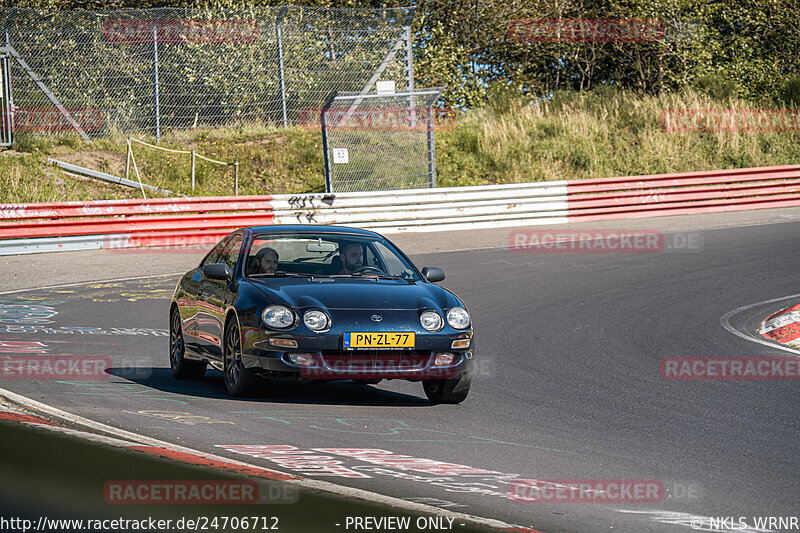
(345, 293)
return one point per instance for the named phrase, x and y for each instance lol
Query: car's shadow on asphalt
(212, 386)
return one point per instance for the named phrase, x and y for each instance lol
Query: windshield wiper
(366, 276)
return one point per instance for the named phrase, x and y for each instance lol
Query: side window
(213, 257)
(394, 267)
(231, 253)
(372, 259)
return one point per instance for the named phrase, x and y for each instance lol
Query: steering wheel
(365, 268)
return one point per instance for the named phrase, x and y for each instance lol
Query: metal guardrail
(177, 221)
(684, 193)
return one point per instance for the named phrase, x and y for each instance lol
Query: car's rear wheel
(447, 390)
(237, 381)
(181, 367)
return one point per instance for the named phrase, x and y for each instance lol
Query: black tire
(182, 368)
(447, 390)
(237, 381)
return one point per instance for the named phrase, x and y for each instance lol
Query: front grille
(375, 360)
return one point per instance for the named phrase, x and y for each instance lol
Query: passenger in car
(267, 260)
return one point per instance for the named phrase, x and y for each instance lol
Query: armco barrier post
(325, 156)
(281, 13)
(155, 79)
(192, 170)
(410, 77)
(431, 149)
(236, 179)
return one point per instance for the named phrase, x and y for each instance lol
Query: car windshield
(325, 254)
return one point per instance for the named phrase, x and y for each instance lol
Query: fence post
(431, 149)
(236, 179)
(325, 156)
(155, 79)
(281, 13)
(410, 77)
(192, 170)
(128, 159)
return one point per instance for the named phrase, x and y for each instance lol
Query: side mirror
(433, 274)
(218, 271)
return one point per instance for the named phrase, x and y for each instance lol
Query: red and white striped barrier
(32, 228)
(783, 327)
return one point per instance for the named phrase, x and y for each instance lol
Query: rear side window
(213, 257)
(230, 256)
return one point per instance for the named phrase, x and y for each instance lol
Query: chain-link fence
(379, 141)
(146, 71)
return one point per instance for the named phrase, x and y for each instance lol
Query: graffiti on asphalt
(80, 330)
(120, 389)
(395, 430)
(348, 463)
(180, 417)
(26, 314)
(24, 347)
(33, 299)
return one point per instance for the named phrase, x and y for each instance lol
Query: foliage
(752, 47)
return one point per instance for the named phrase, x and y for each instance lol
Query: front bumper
(332, 361)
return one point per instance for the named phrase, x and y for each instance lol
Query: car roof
(312, 228)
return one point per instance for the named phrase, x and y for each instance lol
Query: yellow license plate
(379, 340)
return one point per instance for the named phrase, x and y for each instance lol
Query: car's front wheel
(447, 390)
(181, 367)
(237, 381)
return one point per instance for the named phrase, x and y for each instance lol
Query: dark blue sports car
(312, 303)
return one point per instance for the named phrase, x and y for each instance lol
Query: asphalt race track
(568, 386)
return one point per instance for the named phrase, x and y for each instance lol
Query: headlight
(458, 318)
(316, 320)
(431, 320)
(278, 316)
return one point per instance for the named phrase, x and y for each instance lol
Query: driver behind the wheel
(352, 257)
(267, 260)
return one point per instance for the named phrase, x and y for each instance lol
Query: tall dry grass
(598, 134)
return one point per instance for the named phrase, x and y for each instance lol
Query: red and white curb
(760, 337)
(783, 327)
(58, 419)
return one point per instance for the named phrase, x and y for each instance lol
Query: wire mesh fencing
(147, 71)
(379, 141)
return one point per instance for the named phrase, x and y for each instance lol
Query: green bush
(717, 87)
(790, 92)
